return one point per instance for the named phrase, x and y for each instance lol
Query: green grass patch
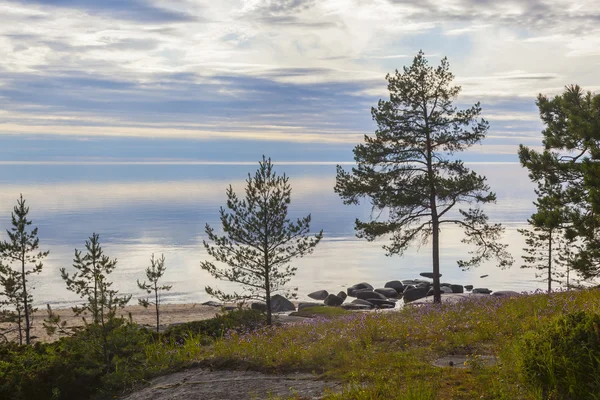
(320, 311)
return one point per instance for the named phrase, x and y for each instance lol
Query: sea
(140, 209)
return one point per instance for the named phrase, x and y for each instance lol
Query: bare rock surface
(203, 384)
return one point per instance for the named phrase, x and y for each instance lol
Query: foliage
(571, 157)
(562, 359)
(154, 272)
(21, 249)
(67, 369)
(244, 319)
(407, 170)
(547, 249)
(319, 311)
(91, 283)
(260, 240)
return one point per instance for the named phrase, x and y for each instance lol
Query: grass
(390, 354)
(320, 311)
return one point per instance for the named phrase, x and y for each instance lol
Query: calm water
(158, 208)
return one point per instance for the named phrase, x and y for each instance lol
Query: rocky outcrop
(333, 300)
(281, 304)
(319, 295)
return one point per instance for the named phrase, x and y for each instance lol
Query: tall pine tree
(21, 251)
(408, 173)
(259, 240)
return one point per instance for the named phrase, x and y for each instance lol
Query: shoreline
(169, 314)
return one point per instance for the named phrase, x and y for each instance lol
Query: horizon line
(207, 162)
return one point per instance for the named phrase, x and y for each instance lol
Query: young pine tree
(408, 171)
(259, 240)
(154, 272)
(21, 250)
(92, 284)
(545, 238)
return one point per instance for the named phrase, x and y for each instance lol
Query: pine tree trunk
(156, 304)
(25, 302)
(437, 295)
(550, 261)
(268, 295)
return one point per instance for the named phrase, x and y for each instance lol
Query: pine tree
(545, 238)
(259, 240)
(91, 283)
(571, 155)
(154, 272)
(21, 249)
(408, 172)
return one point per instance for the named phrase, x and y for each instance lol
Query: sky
(230, 80)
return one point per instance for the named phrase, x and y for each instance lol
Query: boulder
(482, 290)
(333, 300)
(457, 288)
(359, 286)
(356, 307)
(468, 288)
(408, 282)
(281, 304)
(446, 289)
(309, 304)
(396, 285)
(414, 294)
(369, 294)
(212, 304)
(318, 295)
(505, 293)
(387, 292)
(409, 287)
(428, 275)
(363, 285)
(418, 281)
(342, 295)
(384, 306)
(379, 303)
(260, 306)
(362, 302)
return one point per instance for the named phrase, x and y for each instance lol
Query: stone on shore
(457, 288)
(342, 295)
(506, 293)
(333, 300)
(319, 295)
(469, 287)
(482, 291)
(382, 303)
(362, 302)
(414, 294)
(212, 304)
(358, 286)
(260, 306)
(429, 275)
(369, 294)
(387, 292)
(281, 304)
(396, 285)
(309, 304)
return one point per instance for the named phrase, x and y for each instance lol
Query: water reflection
(141, 209)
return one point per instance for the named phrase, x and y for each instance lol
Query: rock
(457, 288)
(281, 304)
(333, 300)
(379, 303)
(445, 284)
(359, 286)
(386, 306)
(342, 295)
(212, 304)
(409, 287)
(369, 294)
(421, 281)
(424, 285)
(408, 282)
(309, 304)
(355, 307)
(482, 290)
(414, 294)
(468, 287)
(260, 306)
(446, 289)
(362, 302)
(318, 295)
(429, 275)
(396, 285)
(506, 293)
(388, 292)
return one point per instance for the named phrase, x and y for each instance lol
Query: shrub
(239, 320)
(562, 359)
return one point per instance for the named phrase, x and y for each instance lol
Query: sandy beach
(169, 314)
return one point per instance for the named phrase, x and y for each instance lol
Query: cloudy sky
(229, 80)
